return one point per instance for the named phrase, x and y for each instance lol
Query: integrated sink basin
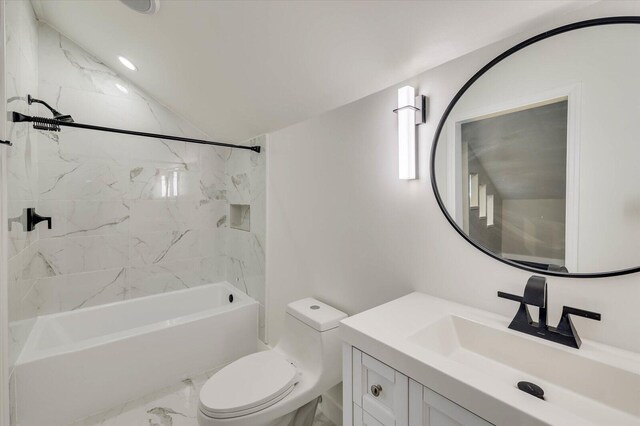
(569, 378)
(472, 358)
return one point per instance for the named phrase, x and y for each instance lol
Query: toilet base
(283, 421)
(303, 416)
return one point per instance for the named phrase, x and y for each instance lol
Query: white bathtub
(75, 364)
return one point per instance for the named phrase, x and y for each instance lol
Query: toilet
(266, 388)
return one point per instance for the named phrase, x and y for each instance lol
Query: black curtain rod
(52, 124)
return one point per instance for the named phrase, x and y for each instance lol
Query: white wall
(344, 228)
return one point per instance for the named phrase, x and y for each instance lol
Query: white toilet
(265, 388)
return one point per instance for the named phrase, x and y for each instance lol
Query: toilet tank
(317, 315)
(310, 338)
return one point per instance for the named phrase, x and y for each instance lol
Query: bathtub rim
(30, 354)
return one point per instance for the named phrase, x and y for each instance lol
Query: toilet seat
(248, 385)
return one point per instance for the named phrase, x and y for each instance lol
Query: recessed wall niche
(240, 216)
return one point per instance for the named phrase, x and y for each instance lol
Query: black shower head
(56, 115)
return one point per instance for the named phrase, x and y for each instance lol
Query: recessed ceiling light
(148, 7)
(127, 63)
(122, 88)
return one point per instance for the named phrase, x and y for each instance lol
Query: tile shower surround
(131, 216)
(21, 77)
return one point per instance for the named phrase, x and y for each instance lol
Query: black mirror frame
(456, 98)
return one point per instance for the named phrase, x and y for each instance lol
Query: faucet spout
(535, 294)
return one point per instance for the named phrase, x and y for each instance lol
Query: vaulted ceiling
(237, 69)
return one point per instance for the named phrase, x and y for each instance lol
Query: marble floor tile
(322, 420)
(176, 405)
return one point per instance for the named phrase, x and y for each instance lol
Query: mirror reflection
(538, 160)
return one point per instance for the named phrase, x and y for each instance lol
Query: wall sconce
(411, 112)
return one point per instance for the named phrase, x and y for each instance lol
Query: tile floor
(176, 405)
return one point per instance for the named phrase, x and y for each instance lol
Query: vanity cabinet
(375, 394)
(380, 392)
(428, 408)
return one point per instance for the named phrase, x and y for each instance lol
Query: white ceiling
(237, 69)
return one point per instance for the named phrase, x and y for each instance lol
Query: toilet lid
(247, 385)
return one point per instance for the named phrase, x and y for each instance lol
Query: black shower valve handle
(29, 219)
(35, 218)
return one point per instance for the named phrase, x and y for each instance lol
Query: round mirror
(536, 161)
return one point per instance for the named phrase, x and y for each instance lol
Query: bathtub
(75, 364)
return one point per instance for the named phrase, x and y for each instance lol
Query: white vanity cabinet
(428, 408)
(379, 392)
(375, 394)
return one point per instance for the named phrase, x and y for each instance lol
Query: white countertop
(384, 332)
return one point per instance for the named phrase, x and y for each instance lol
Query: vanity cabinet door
(362, 418)
(428, 408)
(380, 391)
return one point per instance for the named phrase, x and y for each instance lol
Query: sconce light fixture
(411, 112)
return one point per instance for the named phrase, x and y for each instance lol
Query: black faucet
(29, 219)
(535, 294)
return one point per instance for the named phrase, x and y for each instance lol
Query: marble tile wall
(21, 78)
(131, 216)
(246, 184)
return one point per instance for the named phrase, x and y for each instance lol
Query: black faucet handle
(567, 310)
(535, 292)
(565, 326)
(510, 296)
